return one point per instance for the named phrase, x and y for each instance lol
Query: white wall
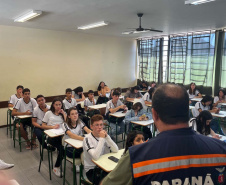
(48, 62)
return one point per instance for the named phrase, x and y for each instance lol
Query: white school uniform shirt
(88, 103)
(52, 119)
(21, 106)
(146, 97)
(110, 105)
(91, 142)
(216, 98)
(13, 99)
(76, 96)
(39, 114)
(68, 104)
(78, 130)
(198, 106)
(192, 95)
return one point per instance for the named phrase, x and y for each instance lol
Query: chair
(9, 122)
(83, 178)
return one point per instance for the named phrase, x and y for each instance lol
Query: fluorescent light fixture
(197, 2)
(29, 15)
(94, 25)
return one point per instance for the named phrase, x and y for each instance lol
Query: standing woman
(103, 93)
(54, 119)
(74, 128)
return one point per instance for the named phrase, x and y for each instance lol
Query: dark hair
(130, 138)
(171, 103)
(68, 120)
(90, 91)
(52, 107)
(136, 105)
(96, 117)
(207, 98)
(190, 90)
(222, 90)
(150, 91)
(78, 89)
(99, 87)
(39, 96)
(202, 128)
(26, 90)
(19, 86)
(116, 93)
(134, 88)
(153, 82)
(68, 90)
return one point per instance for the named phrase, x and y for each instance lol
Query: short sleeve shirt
(39, 114)
(68, 104)
(13, 99)
(198, 106)
(146, 97)
(110, 105)
(87, 102)
(22, 106)
(51, 119)
(193, 95)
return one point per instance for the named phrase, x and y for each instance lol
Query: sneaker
(77, 168)
(4, 166)
(56, 171)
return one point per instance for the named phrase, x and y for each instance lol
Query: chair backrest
(82, 158)
(82, 104)
(193, 112)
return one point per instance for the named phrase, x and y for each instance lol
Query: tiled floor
(26, 163)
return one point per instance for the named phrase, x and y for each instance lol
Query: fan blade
(150, 29)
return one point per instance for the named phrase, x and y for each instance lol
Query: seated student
(77, 94)
(148, 96)
(15, 97)
(25, 106)
(205, 105)
(220, 98)
(131, 95)
(103, 93)
(95, 144)
(193, 93)
(144, 86)
(89, 102)
(113, 106)
(137, 113)
(115, 89)
(134, 137)
(74, 128)
(201, 124)
(152, 85)
(37, 117)
(54, 119)
(68, 101)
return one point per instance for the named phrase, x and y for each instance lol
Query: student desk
(144, 123)
(196, 99)
(76, 144)
(19, 118)
(51, 133)
(9, 120)
(98, 106)
(106, 164)
(118, 115)
(221, 114)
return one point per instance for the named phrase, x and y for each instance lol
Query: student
(152, 85)
(95, 144)
(15, 97)
(135, 137)
(115, 89)
(77, 94)
(25, 106)
(144, 86)
(220, 98)
(90, 100)
(148, 96)
(69, 101)
(193, 92)
(74, 128)
(103, 93)
(38, 115)
(54, 119)
(133, 93)
(113, 106)
(137, 113)
(201, 124)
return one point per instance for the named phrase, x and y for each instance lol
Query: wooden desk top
(221, 114)
(24, 116)
(54, 132)
(10, 108)
(106, 164)
(196, 99)
(99, 106)
(74, 143)
(143, 123)
(118, 114)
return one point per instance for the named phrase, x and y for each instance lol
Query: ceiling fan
(140, 29)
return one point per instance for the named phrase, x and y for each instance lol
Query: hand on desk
(56, 126)
(28, 112)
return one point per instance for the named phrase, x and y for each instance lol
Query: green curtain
(223, 64)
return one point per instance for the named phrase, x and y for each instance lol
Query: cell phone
(113, 159)
(124, 111)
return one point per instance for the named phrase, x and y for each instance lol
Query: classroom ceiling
(171, 16)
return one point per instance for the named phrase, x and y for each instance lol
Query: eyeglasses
(98, 125)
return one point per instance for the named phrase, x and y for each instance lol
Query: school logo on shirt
(221, 175)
